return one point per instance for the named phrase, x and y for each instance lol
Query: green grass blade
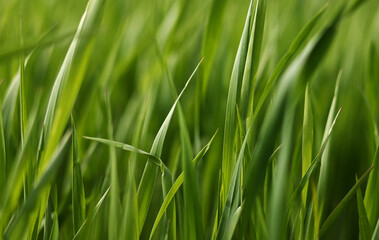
(307, 140)
(364, 225)
(78, 195)
(3, 160)
(178, 182)
(152, 158)
(146, 186)
(340, 207)
(228, 161)
(114, 208)
(375, 235)
(233, 223)
(372, 192)
(22, 94)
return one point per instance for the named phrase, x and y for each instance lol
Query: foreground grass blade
(78, 195)
(154, 159)
(371, 195)
(375, 235)
(147, 183)
(3, 160)
(364, 225)
(336, 212)
(178, 182)
(228, 161)
(24, 219)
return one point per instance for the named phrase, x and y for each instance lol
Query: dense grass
(189, 119)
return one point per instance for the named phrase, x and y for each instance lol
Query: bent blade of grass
(23, 222)
(153, 158)
(78, 195)
(178, 182)
(364, 225)
(147, 183)
(340, 207)
(230, 119)
(232, 196)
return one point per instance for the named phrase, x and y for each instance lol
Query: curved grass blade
(154, 159)
(178, 182)
(335, 213)
(147, 183)
(233, 223)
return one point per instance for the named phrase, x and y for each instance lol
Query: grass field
(189, 119)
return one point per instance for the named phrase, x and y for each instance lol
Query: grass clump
(274, 134)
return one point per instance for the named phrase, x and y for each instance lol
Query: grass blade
(335, 213)
(78, 195)
(152, 158)
(364, 226)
